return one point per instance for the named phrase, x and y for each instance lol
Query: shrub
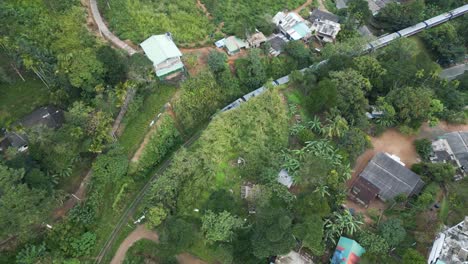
(160, 143)
(424, 148)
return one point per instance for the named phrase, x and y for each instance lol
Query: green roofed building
(165, 55)
(234, 44)
(347, 251)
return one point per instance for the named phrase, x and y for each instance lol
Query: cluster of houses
(321, 25)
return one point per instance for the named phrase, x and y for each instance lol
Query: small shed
(234, 45)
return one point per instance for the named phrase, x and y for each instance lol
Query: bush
(424, 148)
(160, 143)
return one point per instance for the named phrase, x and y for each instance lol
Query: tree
(413, 105)
(322, 97)
(424, 148)
(251, 70)
(115, 67)
(359, 10)
(373, 243)
(438, 172)
(177, 235)
(31, 254)
(412, 256)
(336, 126)
(21, 208)
(341, 223)
(310, 231)
(217, 61)
(299, 52)
(111, 166)
(369, 67)
(219, 227)
(392, 231)
(446, 43)
(396, 16)
(351, 87)
(272, 232)
(355, 142)
(156, 215)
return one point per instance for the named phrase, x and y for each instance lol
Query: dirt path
(147, 138)
(306, 4)
(141, 232)
(322, 6)
(203, 8)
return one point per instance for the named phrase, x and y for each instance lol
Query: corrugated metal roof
(458, 142)
(159, 48)
(391, 177)
(234, 43)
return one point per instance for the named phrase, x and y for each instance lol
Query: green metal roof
(159, 48)
(302, 29)
(234, 43)
(165, 71)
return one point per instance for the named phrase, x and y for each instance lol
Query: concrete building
(325, 25)
(292, 25)
(165, 55)
(451, 245)
(256, 39)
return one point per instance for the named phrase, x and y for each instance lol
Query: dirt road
(307, 3)
(141, 232)
(322, 6)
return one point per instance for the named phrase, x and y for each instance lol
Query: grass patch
(137, 127)
(18, 98)
(444, 210)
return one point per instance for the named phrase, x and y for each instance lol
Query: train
(406, 32)
(371, 46)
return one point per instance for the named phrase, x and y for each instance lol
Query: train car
(384, 41)
(458, 11)
(413, 29)
(437, 20)
(283, 80)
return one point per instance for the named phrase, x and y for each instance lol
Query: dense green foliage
(244, 16)
(160, 143)
(138, 20)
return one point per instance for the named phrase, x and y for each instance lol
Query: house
(453, 148)
(317, 14)
(277, 43)
(47, 116)
(166, 57)
(234, 45)
(293, 258)
(376, 5)
(385, 177)
(293, 26)
(284, 178)
(451, 245)
(325, 25)
(255, 40)
(347, 251)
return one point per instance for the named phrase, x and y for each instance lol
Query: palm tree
(340, 223)
(315, 125)
(346, 171)
(337, 126)
(296, 128)
(300, 153)
(291, 164)
(322, 190)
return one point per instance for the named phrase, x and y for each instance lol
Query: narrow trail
(322, 6)
(306, 4)
(141, 232)
(203, 8)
